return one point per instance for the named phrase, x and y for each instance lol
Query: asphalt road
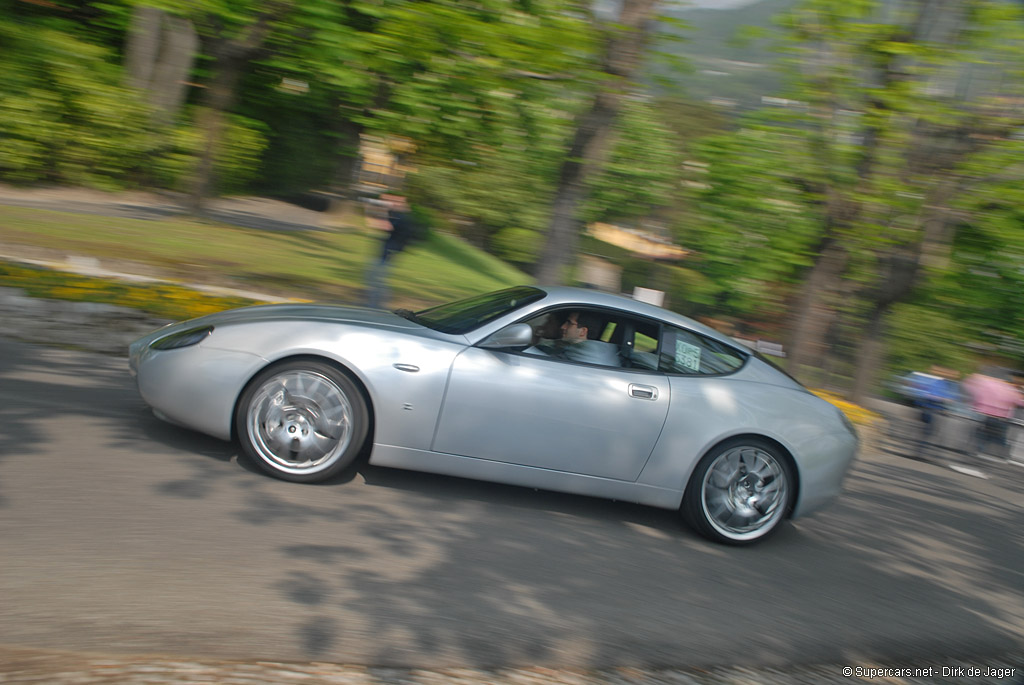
(119, 533)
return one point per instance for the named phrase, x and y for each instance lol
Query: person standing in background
(933, 394)
(399, 227)
(995, 400)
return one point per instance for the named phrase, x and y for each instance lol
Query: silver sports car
(555, 388)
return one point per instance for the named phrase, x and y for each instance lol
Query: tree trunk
(142, 47)
(869, 354)
(623, 48)
(231, 56)
(900, 272)
(158, 58)
(212, 122)
(349, 163)
(813, 312)
(588, 148)
(170, 74)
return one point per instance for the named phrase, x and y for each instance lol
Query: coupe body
(674, 415)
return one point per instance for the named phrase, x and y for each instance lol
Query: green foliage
(921, 335)
(63, 116)
(982, 276)
(461, 76)
(239, 158)
(171, 169)
(517, 245)
(750, 223)
(880, 131)
(302, 143)
(687, 290)
(493, 203)
(237, 163)
(486, 93)
(906, 132)
(642, 171)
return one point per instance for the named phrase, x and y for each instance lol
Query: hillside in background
(724, 67)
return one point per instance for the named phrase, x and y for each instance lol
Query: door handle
(643, 392)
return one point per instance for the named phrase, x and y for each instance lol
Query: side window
(547, 327)
(685, 352)
(593, 336)
(645, 343)
(642, 345)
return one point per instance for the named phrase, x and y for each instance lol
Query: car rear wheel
(302, 421)
(740, 492)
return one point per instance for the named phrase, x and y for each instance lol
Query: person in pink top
(996, 401)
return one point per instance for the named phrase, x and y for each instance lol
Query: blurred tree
(233, 35)
(159, 54)
(64, 117)
(889, 102)
(272, 46)
(640, 175)
(622, 47)
(462, 83)
(749, 221)
(485, 93)
(981, 273)
(922, 116)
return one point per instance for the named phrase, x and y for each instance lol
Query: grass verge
(324, 265)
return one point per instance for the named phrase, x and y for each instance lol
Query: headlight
(192, 336)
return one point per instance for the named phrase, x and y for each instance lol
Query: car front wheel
(740, 492)
(302, 421)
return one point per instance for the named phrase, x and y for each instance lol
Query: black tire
(302, 421)
(740, 492)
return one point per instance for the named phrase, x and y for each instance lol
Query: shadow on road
(898, 564)
(40, 386)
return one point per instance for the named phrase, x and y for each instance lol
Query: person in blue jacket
(932, 393)
(400, 228)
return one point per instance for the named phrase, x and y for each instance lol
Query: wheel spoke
(300, 421)
(743, 493)
(725, 475)
(719, 502)
(324, 444)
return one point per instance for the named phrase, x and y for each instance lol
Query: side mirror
(516, 335)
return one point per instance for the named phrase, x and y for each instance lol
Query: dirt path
(248, 212)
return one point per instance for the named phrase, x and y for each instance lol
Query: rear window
(685, 352)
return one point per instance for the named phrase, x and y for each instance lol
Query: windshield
(463, 316)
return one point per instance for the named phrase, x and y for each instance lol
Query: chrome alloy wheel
(300, 422)
(744, 493)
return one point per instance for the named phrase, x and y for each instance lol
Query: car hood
(305, 312)
(281, 312)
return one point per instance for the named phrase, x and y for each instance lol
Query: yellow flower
(856, 413)
(170, 301)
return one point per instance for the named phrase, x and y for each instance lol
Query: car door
(553, 414)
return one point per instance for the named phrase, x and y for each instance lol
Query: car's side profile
(674, 415)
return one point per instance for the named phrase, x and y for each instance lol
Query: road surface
(119, 533)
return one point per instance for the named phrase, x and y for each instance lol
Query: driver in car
(579, 342)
